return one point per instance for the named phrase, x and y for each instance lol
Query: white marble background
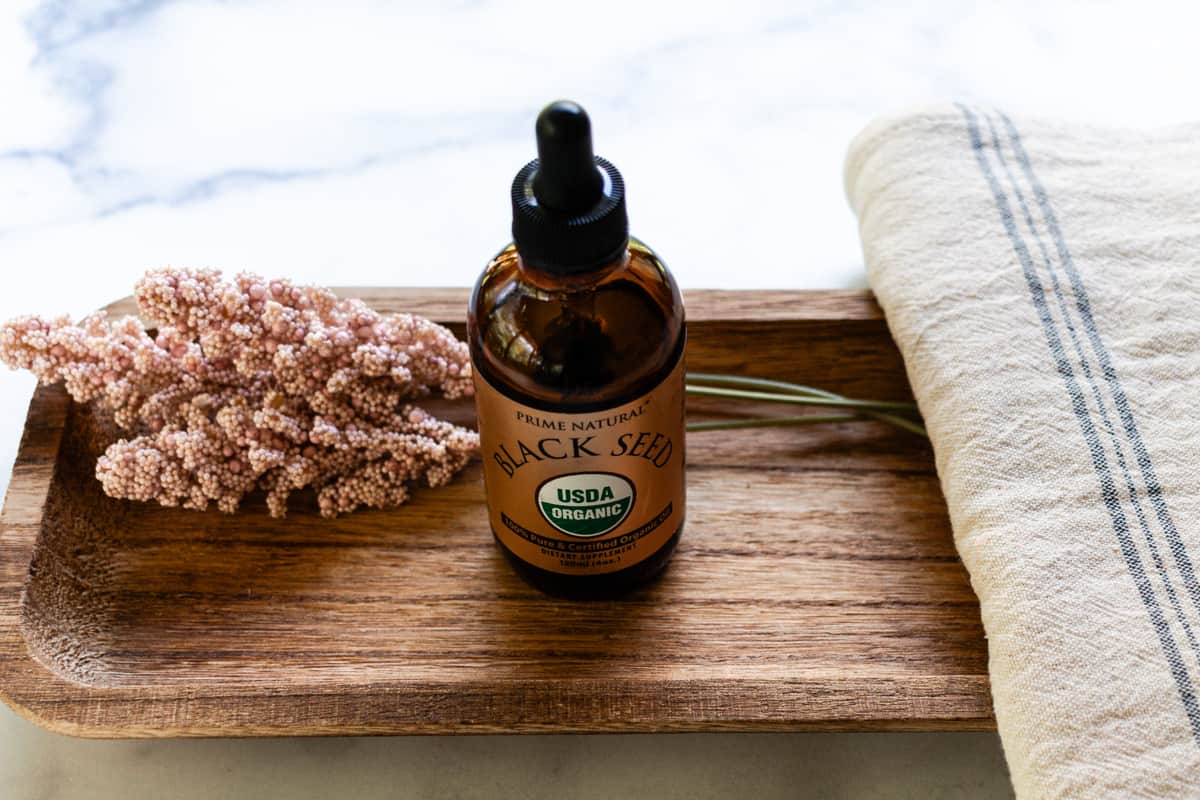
(370, 142)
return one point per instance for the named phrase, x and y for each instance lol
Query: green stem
(801, 400)
(796, 389)
(903, 424)
(770, 422)
(737, 381)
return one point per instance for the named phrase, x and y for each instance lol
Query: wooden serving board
(816, 585)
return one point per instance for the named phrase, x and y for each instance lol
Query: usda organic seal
(586, 503)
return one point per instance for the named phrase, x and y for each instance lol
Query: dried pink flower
(257, 384)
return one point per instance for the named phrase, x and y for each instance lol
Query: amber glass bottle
(577, 335)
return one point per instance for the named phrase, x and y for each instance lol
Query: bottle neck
(577, 281)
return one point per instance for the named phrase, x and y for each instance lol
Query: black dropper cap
(568, 203)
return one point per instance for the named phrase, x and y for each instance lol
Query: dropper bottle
(577, 335)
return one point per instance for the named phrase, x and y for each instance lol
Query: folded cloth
(1042, 281)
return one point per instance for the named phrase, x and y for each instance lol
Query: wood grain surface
(816, 585)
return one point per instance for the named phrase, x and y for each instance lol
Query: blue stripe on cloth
(1089, 376)
(1149, 476)
(1108, 492)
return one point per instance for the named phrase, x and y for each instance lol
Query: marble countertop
(365, 142)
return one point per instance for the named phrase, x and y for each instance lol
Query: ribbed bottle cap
(568, 203)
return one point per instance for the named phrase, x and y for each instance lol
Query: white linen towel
(1042, 281)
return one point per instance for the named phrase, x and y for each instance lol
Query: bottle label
(584, 494)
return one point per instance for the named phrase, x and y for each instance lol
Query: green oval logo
(586, 503)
